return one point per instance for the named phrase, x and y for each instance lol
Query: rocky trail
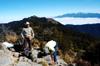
(12, 58)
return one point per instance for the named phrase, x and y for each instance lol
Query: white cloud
(78, 21)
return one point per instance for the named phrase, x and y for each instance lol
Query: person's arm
(22, 34)
(32, 33)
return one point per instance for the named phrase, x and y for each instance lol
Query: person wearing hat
(52, 47)
(27, 34)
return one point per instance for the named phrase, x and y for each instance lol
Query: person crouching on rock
(52, 47)
(27, 35)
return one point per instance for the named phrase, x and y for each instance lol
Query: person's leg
(26, 47)
(30, 56)
(55, 56)
(29, 44)
(26, 42)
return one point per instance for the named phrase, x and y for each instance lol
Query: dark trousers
(28, 44)
(55, 54)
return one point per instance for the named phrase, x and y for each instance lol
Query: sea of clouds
(77, 21)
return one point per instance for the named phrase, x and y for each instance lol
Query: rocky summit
(13, 58)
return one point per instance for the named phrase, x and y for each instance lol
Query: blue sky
(17, 9)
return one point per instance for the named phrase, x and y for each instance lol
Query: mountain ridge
(80, 15)
(92, 29)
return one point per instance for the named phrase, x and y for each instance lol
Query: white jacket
(51, 44)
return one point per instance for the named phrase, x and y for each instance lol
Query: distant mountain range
(80, 15)
(91, 29)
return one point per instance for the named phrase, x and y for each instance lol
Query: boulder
(5, 59)
(23, 64)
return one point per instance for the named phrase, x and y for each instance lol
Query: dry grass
(35, 43)
(60, 53)
(11, 37)
(44, 63)
(69, 57)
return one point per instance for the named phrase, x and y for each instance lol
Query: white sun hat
(51, 44)
(27, 23)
